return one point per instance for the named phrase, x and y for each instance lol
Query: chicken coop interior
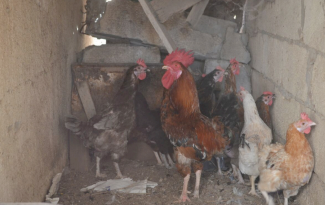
(162, 102)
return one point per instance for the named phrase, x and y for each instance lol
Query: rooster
(107, 132)
(254, 136)
(191, 132)
(287, 167)
(263, 103)
(148, 129)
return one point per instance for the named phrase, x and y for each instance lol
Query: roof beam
(196, 12)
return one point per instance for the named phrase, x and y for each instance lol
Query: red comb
(186, 58)
(233, 61)
(267, 93)
(141, 63)
(304, 116)
(203, 75)
(242, 88)
(219, 68)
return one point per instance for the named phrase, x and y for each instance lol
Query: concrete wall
(288, 58)
(39, 41)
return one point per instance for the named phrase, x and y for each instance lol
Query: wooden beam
(166, 8)
(196, 12)
(160, 29)
(85, 97)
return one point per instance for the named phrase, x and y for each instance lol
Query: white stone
(318, 84)
(314, 25)
(276, 18)
(234, 47)
(120, 53)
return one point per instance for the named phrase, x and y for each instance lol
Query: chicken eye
(303, 123)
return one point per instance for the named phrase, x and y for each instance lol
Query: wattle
(142, 76)
(307, 130)
(167, 79)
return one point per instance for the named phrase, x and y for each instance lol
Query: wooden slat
(196, 12)
(166, 8)
(160, 29)
(85, 96)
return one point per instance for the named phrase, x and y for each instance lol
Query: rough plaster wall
(39, 41)
(288, 58)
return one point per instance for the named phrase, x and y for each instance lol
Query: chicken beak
(311, 124)
(147, 70)
(273, 96)
(165, 67)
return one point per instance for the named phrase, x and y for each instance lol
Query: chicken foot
(164, 159)
(237, 174)
(184, 196)
(98, 174)
(171, 162)
(197, 183)
(118, 171)
(252, 191)
(158, 158)
(219, 166)
(115, 158)
(268, 198)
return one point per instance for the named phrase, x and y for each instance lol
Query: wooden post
(160, 28)
(196, 12)
(85, 96)
(166, 8)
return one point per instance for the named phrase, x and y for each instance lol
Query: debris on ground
(126, 185)
(53, 189)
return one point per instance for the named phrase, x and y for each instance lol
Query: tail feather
(226, 110)
(270, 180)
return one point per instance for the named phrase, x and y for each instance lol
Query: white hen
(255, 135)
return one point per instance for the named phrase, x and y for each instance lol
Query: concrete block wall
(288, 58)
(39, 43)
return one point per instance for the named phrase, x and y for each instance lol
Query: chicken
(107, 132)
(263, 103)
(191, 132)
(218, 99)
(148, 129)
(287, 167)
(220, 103)
(255, 135)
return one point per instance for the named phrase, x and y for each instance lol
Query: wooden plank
(85, 96)
(160, 29)
(166, 8)
(196, 12)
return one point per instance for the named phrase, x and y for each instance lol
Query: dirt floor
(214, 189)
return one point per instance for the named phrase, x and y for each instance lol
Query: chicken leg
(197, 183)
(252, 191)
(184, 196)
(237, 174)
(158, 158)
(98, 174)
(118, 171)
(269, 199)
(171, 162)
(115, 158)
(164, 159)
(219, 166)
